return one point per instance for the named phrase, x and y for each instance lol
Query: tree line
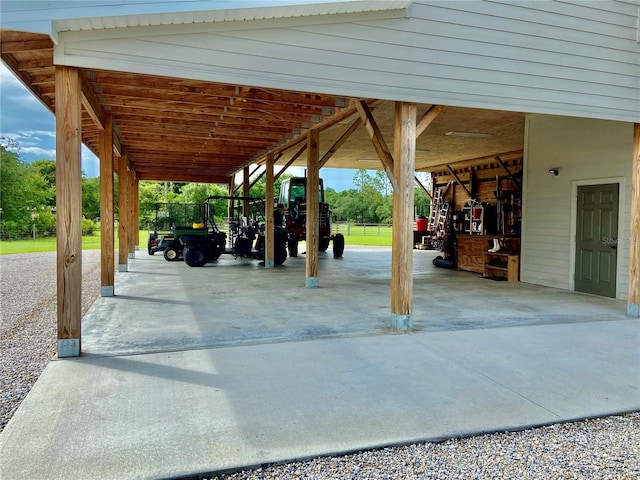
(28, 196)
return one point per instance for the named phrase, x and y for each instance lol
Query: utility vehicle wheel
(293, 247)
(323, 245)
(338, 245)
(171, 254)
(195, 255)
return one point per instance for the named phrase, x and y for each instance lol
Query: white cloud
(41, 152)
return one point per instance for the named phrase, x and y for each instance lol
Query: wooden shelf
(508, 268)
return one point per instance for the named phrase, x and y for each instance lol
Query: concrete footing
(633, 310)
(401, 322)
(106, 291)
(68, 347)
(123, 267)
(311, 282)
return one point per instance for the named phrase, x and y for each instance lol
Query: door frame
(574, 221)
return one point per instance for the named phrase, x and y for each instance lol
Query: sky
(24, 119)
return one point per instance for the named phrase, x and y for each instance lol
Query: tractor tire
(152, 237)
(338, 245)
(195, 255)
(293, 247)
(171, 254)
(323, 245)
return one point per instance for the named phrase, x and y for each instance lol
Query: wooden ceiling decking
(188, 130)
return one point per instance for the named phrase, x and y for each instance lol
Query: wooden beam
(91, 104)
(633, 307)
(69, 209)
(269, 234)
(194, 177)
(343, 138)
(378, 141)
(250, 175)
(402, 242)
(313, 208)
(106, 209)
(323, 125)
(460, 182)
(427, 118)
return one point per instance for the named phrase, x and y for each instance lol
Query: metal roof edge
(231, 15)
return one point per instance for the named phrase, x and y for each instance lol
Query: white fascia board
(53, 17)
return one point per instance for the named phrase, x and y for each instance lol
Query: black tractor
(293, 204)
(243, 238)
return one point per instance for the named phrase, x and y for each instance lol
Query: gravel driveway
(28, 319)
(605, 448)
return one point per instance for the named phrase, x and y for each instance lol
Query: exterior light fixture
(554, 171)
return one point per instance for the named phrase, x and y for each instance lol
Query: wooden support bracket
(427, 118)
(506, 169)
(343, 138)
(460, 182)
(378, 141)
(424, 189)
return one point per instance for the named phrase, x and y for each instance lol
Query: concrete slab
(161, 305)
(328, 376)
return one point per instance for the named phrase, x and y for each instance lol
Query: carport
(185, 96)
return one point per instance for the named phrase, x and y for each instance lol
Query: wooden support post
(136, 208)
(230, 202)
(269, 251)
(69, 209)
(246, 207)
(131, 215)
(106, 209)
(123, 213)
(402, 243)
(313, 207)
(633, 307)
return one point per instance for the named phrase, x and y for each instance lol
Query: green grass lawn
(89, 242)
(369, 236)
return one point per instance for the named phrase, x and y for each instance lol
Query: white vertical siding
(579, 59)
(585, 151)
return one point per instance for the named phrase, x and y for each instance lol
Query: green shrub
(87, 226)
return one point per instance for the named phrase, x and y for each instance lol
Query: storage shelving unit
(501, 266)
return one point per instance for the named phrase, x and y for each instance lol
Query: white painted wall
(563, 58)
(586, 151)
